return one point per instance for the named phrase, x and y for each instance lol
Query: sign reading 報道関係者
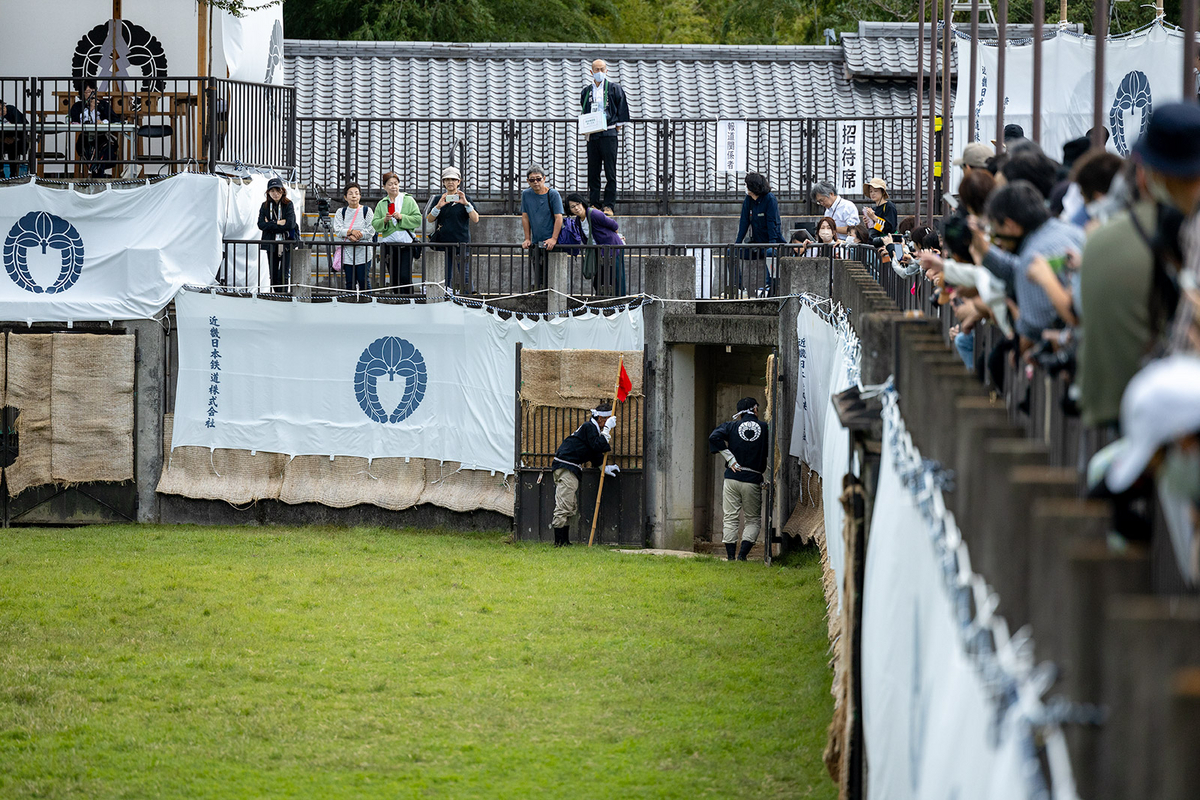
(731, 145)
(378, 381)
(119, 254)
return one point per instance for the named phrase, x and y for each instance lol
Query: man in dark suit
(602, 145)
(12, 147)
(96, 149)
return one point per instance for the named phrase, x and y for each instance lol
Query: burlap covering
(231, 475)
(347, 481)
(575, 378)
(392, 483)
(30, 364)
(74, 398)
(91, 408)
(807, 520)
(467, 489)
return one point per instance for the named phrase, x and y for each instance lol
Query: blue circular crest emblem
(1131, 105)
(39, 229)
(390, 356)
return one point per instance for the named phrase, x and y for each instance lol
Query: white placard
(421, 381)
(118, 254)
(731, 145)
(849, 154)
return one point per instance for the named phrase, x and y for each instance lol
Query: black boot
(730, 551)
(560, 536)
(745, 551)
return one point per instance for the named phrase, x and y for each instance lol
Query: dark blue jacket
(616, 107)
(746, 438)
(582, 446)
(761, 217)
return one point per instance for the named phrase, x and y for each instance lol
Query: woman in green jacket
(396, 217)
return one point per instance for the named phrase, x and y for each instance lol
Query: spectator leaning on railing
(1023, 231)
(542, 221)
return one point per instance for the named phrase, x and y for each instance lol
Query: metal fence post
(348, 129)
(666, 158)
(210, 112)
(509, 167)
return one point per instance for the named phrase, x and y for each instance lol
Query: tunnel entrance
(723, 375)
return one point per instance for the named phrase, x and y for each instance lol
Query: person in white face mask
(603, 93)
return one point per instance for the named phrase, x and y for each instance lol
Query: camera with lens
(1056, 360)
(323, 207)
(878, 242)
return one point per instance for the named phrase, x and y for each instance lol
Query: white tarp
(933, 726)
(818, 341)
(253, 45)
(246, 265)
(372, 380)
(119, 254)
(1141, 71)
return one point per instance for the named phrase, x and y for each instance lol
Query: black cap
(1171, 143)
(1073, 149)
(746, 403)
(1012, 131)
(274, 183)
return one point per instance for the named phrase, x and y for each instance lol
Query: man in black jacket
(97, 150)
(589, 443)
(602, 145)
(743, 443)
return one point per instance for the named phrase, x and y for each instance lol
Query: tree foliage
(764, 22)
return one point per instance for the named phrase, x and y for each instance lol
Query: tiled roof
(889, 56)
(420, 79)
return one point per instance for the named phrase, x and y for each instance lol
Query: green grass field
(321, 663)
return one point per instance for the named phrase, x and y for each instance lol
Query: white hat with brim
(1160, 404)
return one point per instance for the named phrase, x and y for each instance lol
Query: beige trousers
(566, 498)
(739, 496)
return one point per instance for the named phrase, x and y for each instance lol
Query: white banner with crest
(121, 253)
(371, 380)
(1141, 71)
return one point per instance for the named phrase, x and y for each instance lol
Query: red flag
(624, 385)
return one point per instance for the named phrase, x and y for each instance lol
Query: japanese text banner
(372, 380)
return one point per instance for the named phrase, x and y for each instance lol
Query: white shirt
(844, 213)
(597, 95)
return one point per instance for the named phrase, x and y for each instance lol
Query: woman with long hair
(605, 266)
(277, 220)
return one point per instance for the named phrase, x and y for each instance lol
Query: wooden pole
(604, 463)
(1039, 20)
(1100, 32)
(974, 93)
(202, 65)
(933, 75)
(1062, 12)
(1001, 44)
(920, 106)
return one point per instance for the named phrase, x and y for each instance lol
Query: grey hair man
(842, 211)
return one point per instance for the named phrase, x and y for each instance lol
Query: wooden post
(1189, 50)
(1001, 46)
(1100, 32)
(974, 68)
(604, 463)
(920, 103)
(202, 65)
(933, 59)
(1039, 21)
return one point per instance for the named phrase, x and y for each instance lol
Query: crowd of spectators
(1088, 268)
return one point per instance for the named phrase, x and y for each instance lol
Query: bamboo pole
(604, 462)
(1002, 43)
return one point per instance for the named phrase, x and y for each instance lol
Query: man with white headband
(589, 443)
(742, 442)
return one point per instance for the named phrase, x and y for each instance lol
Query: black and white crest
(126, 51)
(749, 431)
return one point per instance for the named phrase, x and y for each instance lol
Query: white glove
(730, 460)
(611, 470)
(610, 423)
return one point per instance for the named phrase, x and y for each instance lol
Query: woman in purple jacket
(604, 266)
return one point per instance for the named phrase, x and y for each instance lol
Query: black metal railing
(85, 129)
(659, 161)
(723, 271)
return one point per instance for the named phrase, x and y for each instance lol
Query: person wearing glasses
(542, 220)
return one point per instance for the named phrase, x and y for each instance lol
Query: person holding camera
(351, 223)
(452, 218)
